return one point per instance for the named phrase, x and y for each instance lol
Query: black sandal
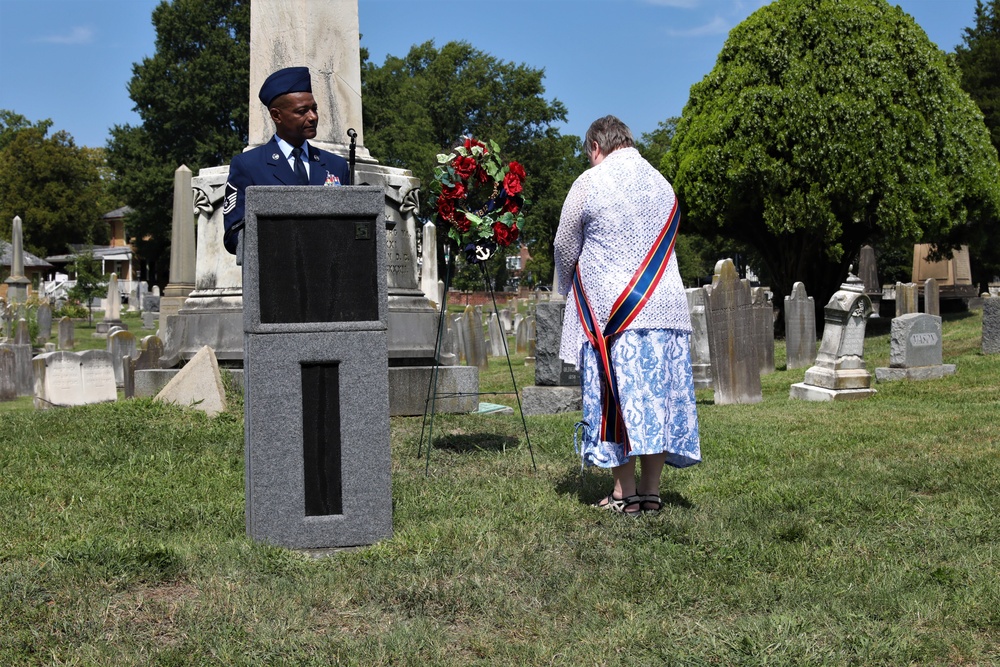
(620, 505)
(650, 499)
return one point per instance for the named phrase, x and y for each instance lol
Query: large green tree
(826, 124)
(419, 105)
(978, 58)
(51, 183)
(192, 98)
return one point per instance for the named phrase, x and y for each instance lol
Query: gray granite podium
(915, 350)
(839, 372)
(316, 367)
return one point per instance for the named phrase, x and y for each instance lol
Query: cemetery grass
(860, 533)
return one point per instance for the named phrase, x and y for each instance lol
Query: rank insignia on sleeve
(229, 203)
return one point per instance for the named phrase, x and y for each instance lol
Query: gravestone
(198, 385)
(475, 340)
(732, 346)
(44, 318)
(23, 352)
(991, 325)
(148, 358)
(17, 283)
(932, 297)
(151, 303)
(868, 273)
(907, 296)
(915, 350)
(120, 344)
(63, 379)
(839, 372)
(112, 314)
(521, 333)
(763, 329)
(8, 373)
(316, 406)
(557, 386)
(458, 326)
(701, 359)
(800, 328)
(149, 320)
(67, 339)
(498, 345)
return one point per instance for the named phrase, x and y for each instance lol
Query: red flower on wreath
(462, 223)
(503, 234)
(512, 181)
(466, 166)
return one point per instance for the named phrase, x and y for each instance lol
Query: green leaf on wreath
(475, 219)
(442, 158)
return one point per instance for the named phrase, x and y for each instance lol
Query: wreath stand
(432, 392)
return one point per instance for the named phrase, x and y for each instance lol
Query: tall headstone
(43, 317)
(112, 313)
(915, 350)
(932, 297)
(498, 339)
(763, 329)
(557, 387)
(67, 337)
(475, 339)
(906, 298)
(8, 373)
(17, 283)
(991, 325)
(701, 358)
(800, 328)
(63, 379)
(428, 265)
(839, 372)
(732, 345)
(121, 344)
(868, 273)
(22, 358)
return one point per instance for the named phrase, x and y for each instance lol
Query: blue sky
(71, 60)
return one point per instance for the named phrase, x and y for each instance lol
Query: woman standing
(627, 325)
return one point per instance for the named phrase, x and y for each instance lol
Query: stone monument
(69, 378)
(731, 340)
(991, 325)
(915, 350)
(701, 358)
(17, 283)
(800, 328)
(324, 37)
(868, 273)
(839, 372)
(557, 384)
(112, 314)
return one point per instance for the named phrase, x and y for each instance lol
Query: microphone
(354, 136)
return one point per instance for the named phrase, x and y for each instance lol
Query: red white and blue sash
(623, 312)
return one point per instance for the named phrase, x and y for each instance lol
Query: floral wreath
(478, 198)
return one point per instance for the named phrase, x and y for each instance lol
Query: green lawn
(857, 533)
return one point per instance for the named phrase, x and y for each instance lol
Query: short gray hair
(610, 134)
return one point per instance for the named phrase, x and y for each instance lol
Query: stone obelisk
(182, 250)
(17, 283)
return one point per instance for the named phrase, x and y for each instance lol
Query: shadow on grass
(475, 442)
(592, 485)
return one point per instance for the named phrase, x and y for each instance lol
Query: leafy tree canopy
(826, 124)
(192, 98)
(90, 283)
(419, 105)
(979, 60)
(51, 183)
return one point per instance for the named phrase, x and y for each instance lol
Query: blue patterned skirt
(656, 385)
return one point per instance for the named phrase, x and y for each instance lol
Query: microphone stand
(351, 158)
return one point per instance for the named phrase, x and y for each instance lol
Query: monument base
(839, 379)
(809, 392)
(914, 373)
(212, 320)
(408, 389)
(536, 400)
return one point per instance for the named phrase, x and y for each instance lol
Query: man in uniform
(288, 158)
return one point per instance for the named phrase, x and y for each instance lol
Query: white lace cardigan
(610, 219)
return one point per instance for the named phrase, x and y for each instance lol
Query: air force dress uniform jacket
(267, 165)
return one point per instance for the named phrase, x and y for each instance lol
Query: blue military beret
(284, 81)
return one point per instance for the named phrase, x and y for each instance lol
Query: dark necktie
(300, 169)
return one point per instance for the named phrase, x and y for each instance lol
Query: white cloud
(717, 26)
(78, 35)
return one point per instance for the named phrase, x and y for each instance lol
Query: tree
(192, 98)
(979, 60)
(54, 186)
(826, 124)
(90, 282)
(418, 106)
